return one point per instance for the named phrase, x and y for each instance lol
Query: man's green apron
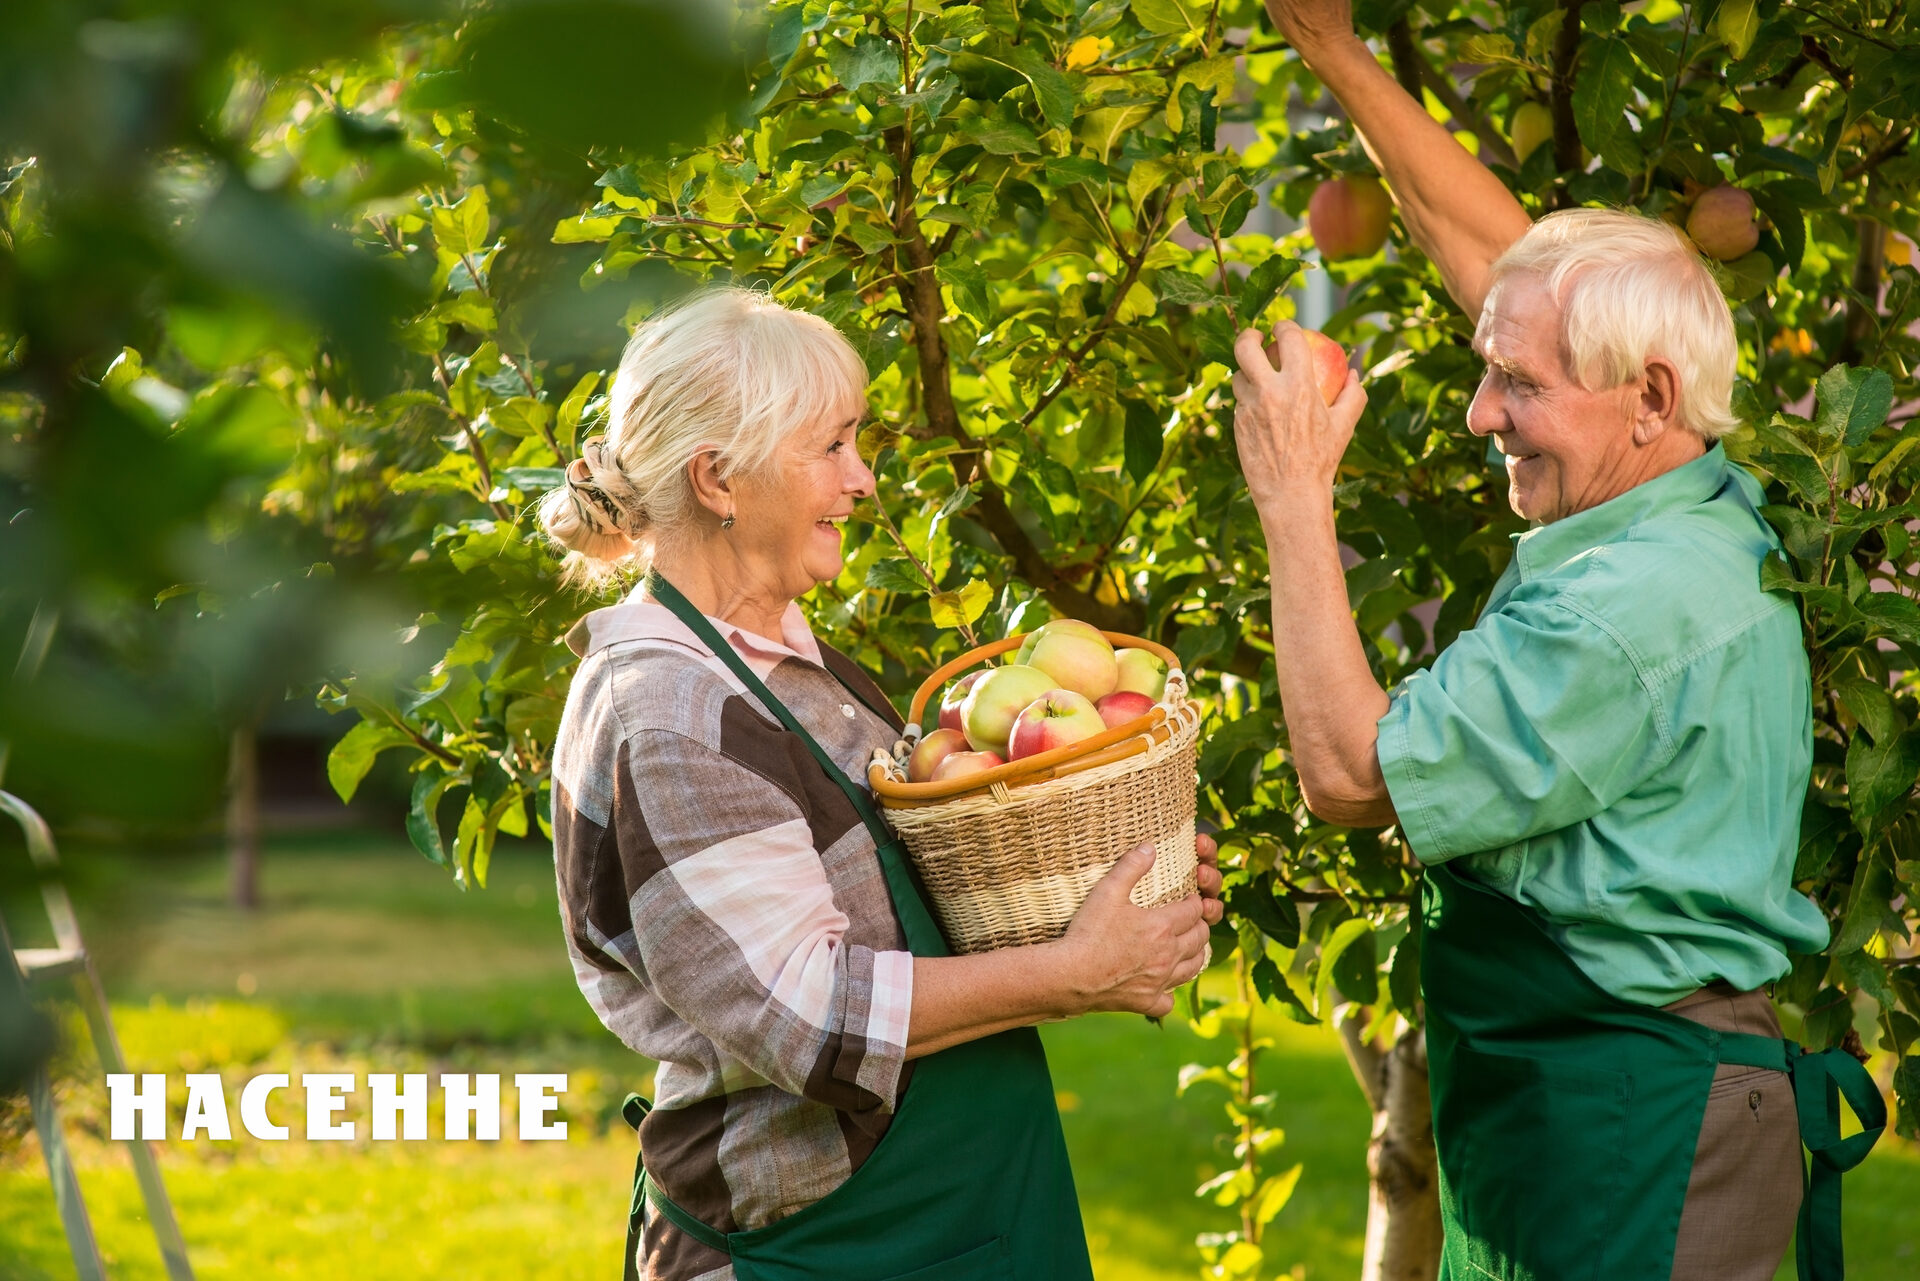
(1566, 1118)
(971, 1179)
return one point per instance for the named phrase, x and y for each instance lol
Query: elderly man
(1604, 776)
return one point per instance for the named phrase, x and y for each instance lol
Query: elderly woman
(838, 1097)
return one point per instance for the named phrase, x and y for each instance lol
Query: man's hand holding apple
(1290, 439)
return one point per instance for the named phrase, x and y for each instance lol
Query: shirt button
(846, 710)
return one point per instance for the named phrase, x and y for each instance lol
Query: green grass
(365, 959)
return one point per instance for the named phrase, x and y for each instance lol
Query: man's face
(1567, 448)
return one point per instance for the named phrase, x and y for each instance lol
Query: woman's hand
(1121, 957)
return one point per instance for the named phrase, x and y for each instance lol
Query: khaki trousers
(1745, 1190)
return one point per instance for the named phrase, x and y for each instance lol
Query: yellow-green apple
(956, 694)
(1348, 217)
(1722, 223)
(1121, 706)
(1057, 626)
(1055, 719)
(1142, 671)
(961, 764)
(1077, 657)
(933, 749)
(1532, 127)
(996, 699)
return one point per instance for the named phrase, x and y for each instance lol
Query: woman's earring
(728, 522)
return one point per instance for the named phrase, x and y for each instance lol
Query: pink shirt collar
(639, 618)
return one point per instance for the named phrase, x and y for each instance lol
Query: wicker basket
(1008, 855)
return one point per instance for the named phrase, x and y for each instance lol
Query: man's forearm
(1329, 696)
(1454, 208)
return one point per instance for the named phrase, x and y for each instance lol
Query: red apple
(1123, 705)
(961, 764)
(1055, 719)
(1348, 217)
(996, 699)
(1329, 364)
(1142, 671)
(957, 694)
(933, 749)
(1722, 223)
(1076, 656)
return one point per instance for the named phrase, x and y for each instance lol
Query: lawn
(365, 959)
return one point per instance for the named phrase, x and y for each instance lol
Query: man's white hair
(1630, 288)
(728, 370)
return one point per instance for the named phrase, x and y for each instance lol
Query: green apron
(1566, 1118)
(969, 1182)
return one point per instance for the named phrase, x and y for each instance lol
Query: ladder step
(50, 962)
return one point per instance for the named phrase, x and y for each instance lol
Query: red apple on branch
(1348, 217)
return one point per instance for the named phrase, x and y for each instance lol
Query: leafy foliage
(384, 258)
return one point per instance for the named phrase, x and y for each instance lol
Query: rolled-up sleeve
(1535, 719)
(735, 927)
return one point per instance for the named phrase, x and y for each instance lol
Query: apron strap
(1818, 1082)
(909, 904)
(635, 1110)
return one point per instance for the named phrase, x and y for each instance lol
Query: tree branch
(1368, 1063)
(1411, 64)
(1566, 49)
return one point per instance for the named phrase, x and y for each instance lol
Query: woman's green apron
(1566, 1118)
(971, 1179)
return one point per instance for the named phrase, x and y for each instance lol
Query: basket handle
(993, 649)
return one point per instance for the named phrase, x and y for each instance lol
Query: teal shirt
(1624, 739)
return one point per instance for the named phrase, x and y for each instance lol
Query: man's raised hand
(1290, 442)
(1312, 25)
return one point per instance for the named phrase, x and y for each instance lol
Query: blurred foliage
(318, 303)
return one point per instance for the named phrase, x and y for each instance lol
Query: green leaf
(522, 416)
(870, 59)
(1275, 914)
(895, 574)
(1868, 908)
(1736, 24)
(466, 839)
(1272, 985)
(354, 754)
(1602, 89)
(1063, 171)
(1100, 130)
(1167, 17)
(1868, 974)
(1348, 961)
(1262, 283)
(460, 229)
(1853, 402)
(1403, 973)
(1880, 774)
(1144, 440)
(1001, 135)
(1253, 732)
(1053, 89)
(1274, 1193)
(423, 813)
(961, 608)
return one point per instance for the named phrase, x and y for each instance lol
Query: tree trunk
(243, 817)
(1403, 1170)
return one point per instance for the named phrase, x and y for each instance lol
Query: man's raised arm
(1455, 209)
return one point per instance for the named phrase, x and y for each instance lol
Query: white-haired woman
(837, 1096)
(1602, 777)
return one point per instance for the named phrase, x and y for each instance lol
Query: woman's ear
(1658, 406)
(710, 485)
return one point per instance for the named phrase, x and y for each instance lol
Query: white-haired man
(1604, 776)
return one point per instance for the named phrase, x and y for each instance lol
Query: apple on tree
(1058, 718)
(1722, 223)
(996, 699)
(1329, 363)
(1348, 217)
(933, 749)
(1142, 671)
(1531, 128)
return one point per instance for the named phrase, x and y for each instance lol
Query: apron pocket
(1532, 1149)
(982, 1263)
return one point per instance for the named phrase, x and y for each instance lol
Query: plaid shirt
(727, 916)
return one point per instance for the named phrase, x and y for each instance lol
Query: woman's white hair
(728, 370)
(1630, 288)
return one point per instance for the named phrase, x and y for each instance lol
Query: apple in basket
(1142, 671)
(961, 764)
(933, 749)
(1056, 719)
(1123, 705)
(956, 694)
(1075, 655)
(995, 700)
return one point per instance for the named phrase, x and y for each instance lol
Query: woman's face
(790, 522)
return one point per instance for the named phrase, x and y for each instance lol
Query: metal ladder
(69, 961)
